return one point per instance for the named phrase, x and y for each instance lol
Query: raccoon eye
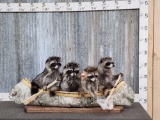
(53, 65)
(90, 77)
(108, 63)
(69, 71)
(76, 71)
(96, 76)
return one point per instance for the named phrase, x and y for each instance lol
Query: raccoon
(106, 77)
(90, 81)
(71, 81)
(50, 73)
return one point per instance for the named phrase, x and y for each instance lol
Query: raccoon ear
(67, 65)
(48, 60)
(85, 70)
(101, 60)
(77, 64)
(59, 58)
(96, 68)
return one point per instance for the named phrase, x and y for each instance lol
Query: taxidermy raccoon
(90, 81)
(105, 66)
(50, 73)
(71, 81)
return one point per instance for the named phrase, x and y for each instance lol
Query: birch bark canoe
(123, 95)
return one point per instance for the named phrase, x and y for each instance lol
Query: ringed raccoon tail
(34, 88)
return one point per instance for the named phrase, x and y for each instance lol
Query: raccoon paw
(101, 88)
(52, 93)
(106, 93)
(121, 74)
(45, 88)
(81, 93)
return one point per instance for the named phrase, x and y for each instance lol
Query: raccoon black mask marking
(92, 76)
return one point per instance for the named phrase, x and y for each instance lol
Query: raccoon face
(91, 73)
(106, 62)
(53, 63)
(71, 69)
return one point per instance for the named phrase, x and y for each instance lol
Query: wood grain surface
(30, 109)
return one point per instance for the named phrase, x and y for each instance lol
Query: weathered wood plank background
(28, 39)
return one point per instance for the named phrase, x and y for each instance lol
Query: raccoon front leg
(64, 86)
(101, 88)
(46, 80)
(94, 96)
(81, 91)
(89, 90)
(44, 87)
(94, 92)
(59, 78)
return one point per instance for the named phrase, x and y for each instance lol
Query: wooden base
(42, 109)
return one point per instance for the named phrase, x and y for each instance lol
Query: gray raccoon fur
(71, 81)
(106, 76)
(50, 73)
(90, 81)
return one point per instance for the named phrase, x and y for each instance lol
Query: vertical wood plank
(150, 59)
(156, 67)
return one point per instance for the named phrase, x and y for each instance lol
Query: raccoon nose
(73, 74)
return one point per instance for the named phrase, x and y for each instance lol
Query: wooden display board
(39, 109)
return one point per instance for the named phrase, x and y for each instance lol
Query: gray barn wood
(28, 39)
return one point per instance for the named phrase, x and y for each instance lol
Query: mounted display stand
(142, 5)
(38, 109)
